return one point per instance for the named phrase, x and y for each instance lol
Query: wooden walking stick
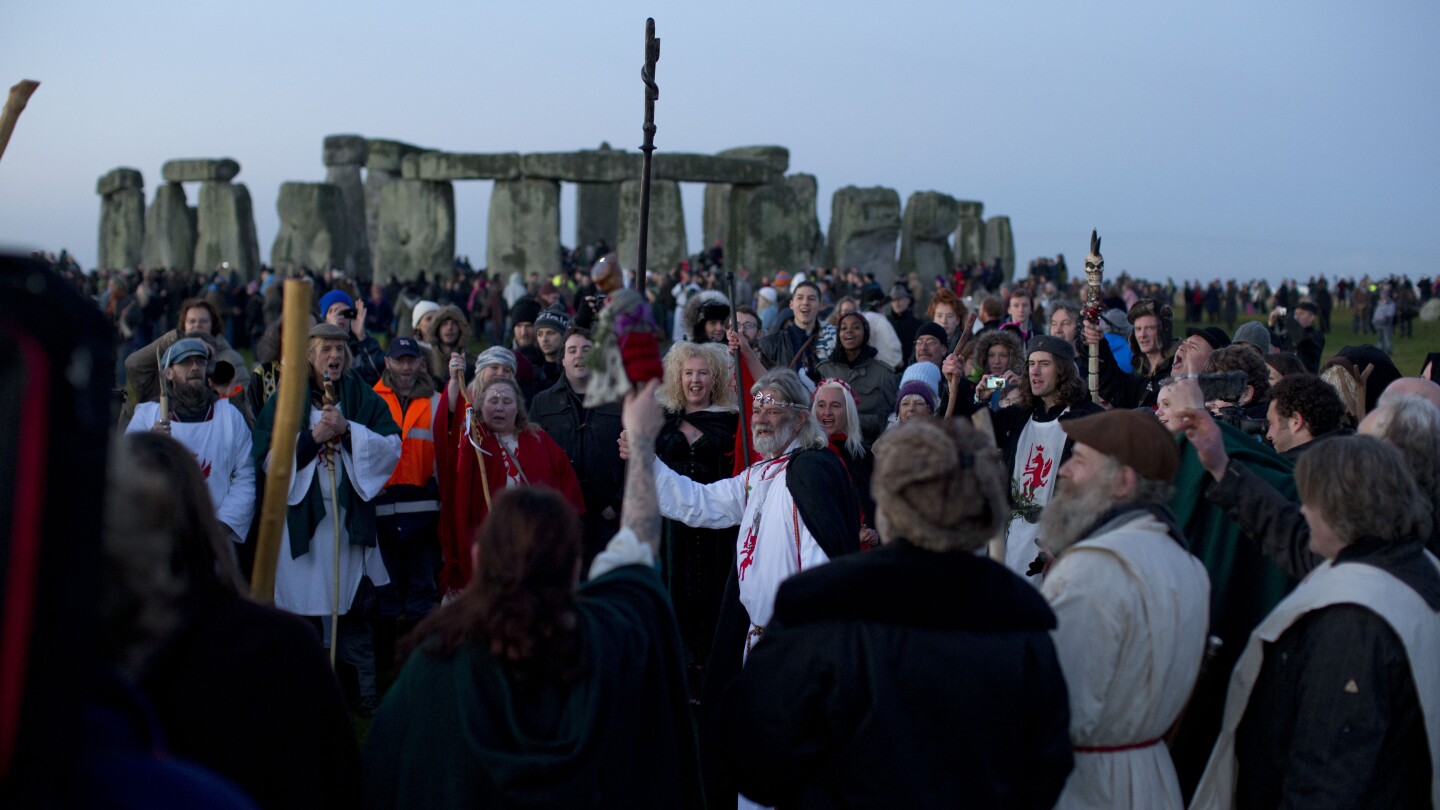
(14, 105)
(294, 382)
(652, 92)
(739, 372)
(960, 346)
(1094, 275)
(333, 457)
(162, 422)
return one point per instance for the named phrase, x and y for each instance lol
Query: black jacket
(1307, 343)
(1119, 387)
(1334, 719)
(590, 439)
(902, 678)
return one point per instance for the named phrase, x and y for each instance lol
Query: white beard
(1071, 513)
(774, 443)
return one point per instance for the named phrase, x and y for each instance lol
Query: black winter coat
(1334, 719)
(590, 439)
(902, 678)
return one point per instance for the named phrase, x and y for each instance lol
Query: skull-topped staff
(1094, 276)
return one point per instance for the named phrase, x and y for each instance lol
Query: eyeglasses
(749, 327)
(764, 400)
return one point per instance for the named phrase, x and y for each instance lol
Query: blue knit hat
(332, 298)
(925, 372)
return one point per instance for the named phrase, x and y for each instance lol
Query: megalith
(170, 229)
(666, 237)
(810, 240)
(1000, 245)
(764, 230)
(201, 170)
(383, 162)
(415, 231)
(597, 207)
(970, 233)
(312, 227)
(122, 218)
(524, 228)
(344, 155)
(864, 226)
(716, 212)
(225, 229)
(929, 219)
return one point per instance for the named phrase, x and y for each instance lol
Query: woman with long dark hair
(529, 690)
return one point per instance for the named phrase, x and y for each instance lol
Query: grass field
(1409, 353)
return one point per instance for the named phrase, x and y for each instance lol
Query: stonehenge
(122, 217)
(386, 207)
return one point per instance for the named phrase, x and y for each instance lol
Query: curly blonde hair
(672, 391)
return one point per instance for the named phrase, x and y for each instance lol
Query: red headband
(842, 384)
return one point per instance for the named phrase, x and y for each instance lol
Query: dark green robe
(457, 732)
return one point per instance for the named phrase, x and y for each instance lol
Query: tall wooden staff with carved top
(652, 92)
(1094, 275)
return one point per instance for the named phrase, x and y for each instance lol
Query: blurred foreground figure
(916, 675)
(528, 691)
(238, 687)
(1336, 699)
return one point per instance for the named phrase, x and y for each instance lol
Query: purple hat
(919, 389)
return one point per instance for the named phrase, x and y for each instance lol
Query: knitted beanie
(420, 311)
(926, 372)
(916, 388)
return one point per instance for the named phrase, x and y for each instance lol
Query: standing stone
(597, 213)
(810, 240)
(1000, 244)
(344, 155)
(524, 228)
(970, 233)
(764, 230)
(715, 216)
(864, 225)
(122, 218)
(225, 230)
(170, 230)
(930, 217)
(667, 246)
(383, 161)
(416, 229)
(312, 227)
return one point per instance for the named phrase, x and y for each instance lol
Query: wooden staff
(960, 346)
(739, 372)
(294, 382)
(14, 105)
(1094, 275)
(652, 93)
(333, 398)
(162, 422)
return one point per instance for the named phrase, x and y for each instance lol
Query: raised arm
(640, 512)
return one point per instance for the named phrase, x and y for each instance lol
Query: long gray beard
(1070, 514)
(774, 443)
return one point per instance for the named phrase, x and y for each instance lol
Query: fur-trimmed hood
(992, 337)
(702, 307)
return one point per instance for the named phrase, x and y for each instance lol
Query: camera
(1283, 311)
(994, 383)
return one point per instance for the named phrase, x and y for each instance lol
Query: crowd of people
(857, 545)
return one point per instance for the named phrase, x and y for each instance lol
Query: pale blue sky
(1203, 139)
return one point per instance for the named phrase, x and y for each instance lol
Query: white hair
(853, 441)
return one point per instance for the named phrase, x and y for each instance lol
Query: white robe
(1132, 608)
(1404, 610)
(306, 584)
(221, 445)
(776, 555)
(1037, 468)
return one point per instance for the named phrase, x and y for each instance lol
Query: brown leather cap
(1136, 438)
